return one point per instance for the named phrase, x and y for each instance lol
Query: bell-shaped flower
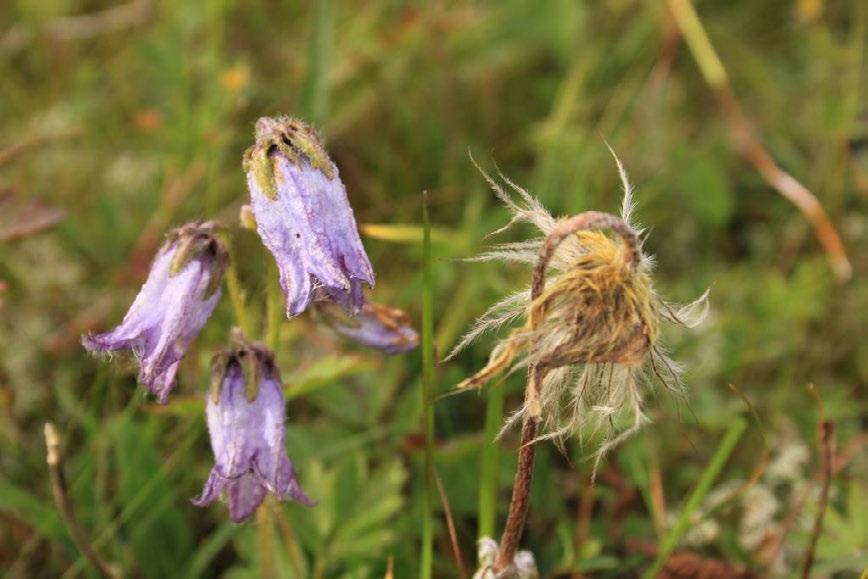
(181, 291)
(246, 415)
(303, 216)
(376, 326)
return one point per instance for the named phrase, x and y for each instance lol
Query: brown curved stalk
(535, 374)
(748, 142)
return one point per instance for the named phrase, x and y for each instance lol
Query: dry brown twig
(830, 466)
(625, 496)
(583, 519)
(390, 568)
(658, 497)
(64, 505)
(79, 27)
(827, 449)
(450, 524)
(23, 218)
(11, 152)
(748, 142)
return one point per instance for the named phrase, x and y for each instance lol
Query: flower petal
(212, 489)
(243, 496)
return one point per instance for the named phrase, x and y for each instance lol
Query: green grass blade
(490, 461)
(210, 548)
(316, 83)
(427, 558)
(718, 461)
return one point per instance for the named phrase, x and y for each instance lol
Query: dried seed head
(604, 303)
(590, 326)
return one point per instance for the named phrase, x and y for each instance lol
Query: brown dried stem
(583, 520)
(10, 153)
(827, 446)
(450, 524)
(64, 505)
(748, 142)
(80, 26)
(535, 373)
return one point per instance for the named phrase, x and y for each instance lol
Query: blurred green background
(116, 126)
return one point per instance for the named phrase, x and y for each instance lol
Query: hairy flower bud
(303, 216)
(246, 415)
(376, 326)
(181, 291)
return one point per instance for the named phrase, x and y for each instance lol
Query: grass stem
(427, 557)
(488, 479)
(718, 461)
(236, 297)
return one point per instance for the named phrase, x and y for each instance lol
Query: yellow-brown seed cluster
(599, 310)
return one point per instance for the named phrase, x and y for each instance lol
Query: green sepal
(219, 366)
(263, 172)
(295, 140)
(307, 143)
(218, 268)
(184, 252)
(250, 369)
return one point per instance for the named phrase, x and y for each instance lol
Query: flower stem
(535, 374)
(266, 542)
(427, 558)
(236, 296)
(273, 309)
(520, 496)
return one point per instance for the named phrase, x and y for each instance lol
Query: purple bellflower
(376, 326)
(303, 216)
(181, 291)
(246, 421)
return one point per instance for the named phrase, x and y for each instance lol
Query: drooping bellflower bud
(181, 291)
(376, 326)
(303, 216)
(246, 415)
